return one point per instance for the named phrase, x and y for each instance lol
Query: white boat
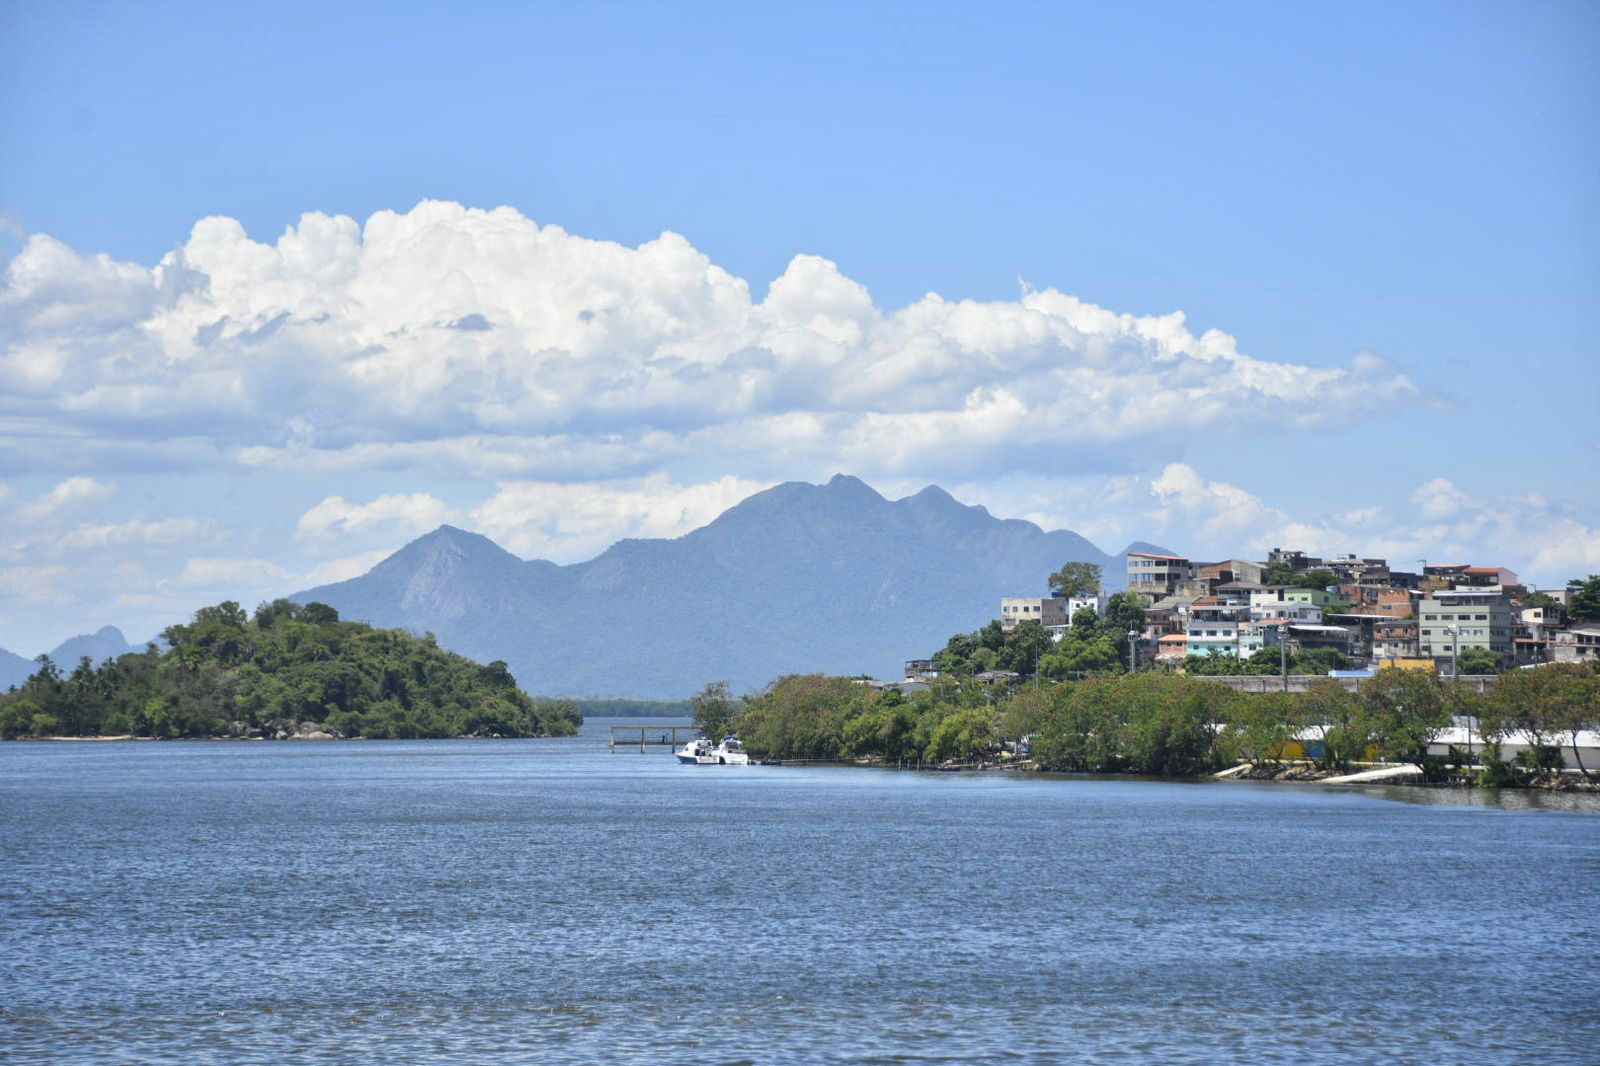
(699, 752)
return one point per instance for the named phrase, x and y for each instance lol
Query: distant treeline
(1162, 723)
(620, 708)
(227, 673)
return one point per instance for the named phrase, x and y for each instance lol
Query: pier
(651, 736)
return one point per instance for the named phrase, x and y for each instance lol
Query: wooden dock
(645, 737)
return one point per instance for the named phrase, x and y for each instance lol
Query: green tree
(1124, 611)
(1480, 661)
(1584, 605)
(1076, 579)
(713, 709)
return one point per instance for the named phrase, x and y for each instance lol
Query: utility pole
(1283, 651)
(1133, 651)
(1455, 674)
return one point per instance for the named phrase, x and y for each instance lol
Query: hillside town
(1453, 618)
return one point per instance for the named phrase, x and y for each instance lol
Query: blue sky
(1393, 213)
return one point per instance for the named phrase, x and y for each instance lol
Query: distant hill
(798, 578)
(105, 643)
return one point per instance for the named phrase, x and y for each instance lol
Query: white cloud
(398, 514)
(433, 328)
(114, 534)
(345, 568)
(235, 578)
(66, 496)
(571, 522)
(34, 584)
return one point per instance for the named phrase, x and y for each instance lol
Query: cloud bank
(482, 342)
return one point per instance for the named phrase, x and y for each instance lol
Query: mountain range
(105, 643)
(800, 578)
(797, 578)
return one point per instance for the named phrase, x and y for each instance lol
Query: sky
(285, 286)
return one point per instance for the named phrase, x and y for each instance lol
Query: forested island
(1106, 719)
(289, 670)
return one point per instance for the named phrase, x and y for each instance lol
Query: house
(1395, 639)
(1328, 601)
(1048, 611)
(1095, 603)
(1214, 637)
(1228, 571)
(1377, 599)
(1487, 577)
(921, 668)
(1304, 637)
(1268, 609)
(1580, 644)
(1293, 559)
(1172, 647)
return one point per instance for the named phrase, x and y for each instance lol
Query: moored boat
(700, 752)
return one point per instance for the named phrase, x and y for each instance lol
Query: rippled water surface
(543, 901)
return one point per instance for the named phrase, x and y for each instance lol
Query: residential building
(1227, 571)
(1395, 639)
(1267, 606)
(1487, 577)
(1305, 637)
(1156, 576)
(1580, 644)
(1172, 646)
(1328, 601)
(1377, 599)
(1294, 559)
(1482, 619)
(1095, 603)
(1215, 637)
(1048, 611)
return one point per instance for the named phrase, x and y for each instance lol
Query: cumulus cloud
(420, 332)
(66, 496)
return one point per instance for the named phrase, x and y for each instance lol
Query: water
(543, 901)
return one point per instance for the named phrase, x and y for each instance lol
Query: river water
(547, 902)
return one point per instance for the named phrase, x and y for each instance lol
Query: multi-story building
(1095, 603)
(1377, 599)
(1580, 644)
(1354, 569)
(1487, 577)
(1157, 576)
(1228, 571)
(1213, 637)
(1396, 639)
(1268, 606)
(1048, 611)
(1293, 559)
(1479, 618)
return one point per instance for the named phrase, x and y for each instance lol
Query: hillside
(798, 578)
(287, 671)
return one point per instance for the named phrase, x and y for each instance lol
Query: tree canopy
(228, 673)
(1585, 603)
(1076, 579)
